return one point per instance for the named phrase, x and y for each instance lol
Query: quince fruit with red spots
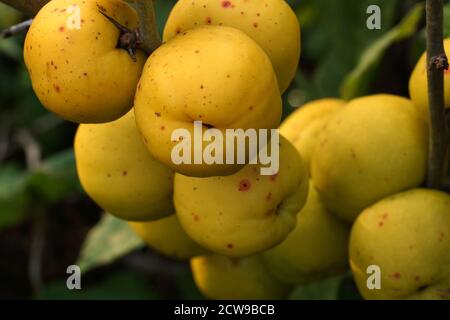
(76, 69)
(400, 247)
(119, 174)
(271, 23)
(168, 238)
(372, 148)
(248, 278)
(213, 74)
(244, 213)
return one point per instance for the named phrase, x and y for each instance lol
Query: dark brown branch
(29, 7)
(147, 25)
(437, 63)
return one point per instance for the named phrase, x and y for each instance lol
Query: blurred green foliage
(336, 45)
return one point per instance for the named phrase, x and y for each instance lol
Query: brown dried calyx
(129, 39)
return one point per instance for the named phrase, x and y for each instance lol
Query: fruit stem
(15, 29)
(436, 64)
(148, 27)
(30, 8)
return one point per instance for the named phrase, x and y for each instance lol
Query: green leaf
(109, 240)
(56, 178)
(327, 289)
(356, 83)
(447, 21)
(13, 196)
(11, 49)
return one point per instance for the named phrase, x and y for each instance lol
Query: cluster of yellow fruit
(248, 236)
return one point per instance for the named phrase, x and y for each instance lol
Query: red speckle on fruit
(230, 246)
(227, 4)
(396, 275)
(385, 216)
(255, 24)
(269, 196)
(208, 20)
(195, 216)
(61, 29)
(273, 177)
(244, 185)
(57, 88)
(178, 31)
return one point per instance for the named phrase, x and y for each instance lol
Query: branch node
(440, 62)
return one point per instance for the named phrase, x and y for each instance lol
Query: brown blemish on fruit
(230, 246)
(227, 4)
(441, 236)
(208, 20)
(417, 278)
(385, 216)
(381, 224)
(125, 173)
(163, 128)
(269, 196)
(201, 87)
(255, 24)
(396, 275)
(245, 185)
(353, 154)
(195, 216)
(157, 114)
(250, 108)
(145, 140)
(57, 88)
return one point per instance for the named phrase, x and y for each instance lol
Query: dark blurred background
(45, 217)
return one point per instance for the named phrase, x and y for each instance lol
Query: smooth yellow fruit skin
(408, 236)
(168, 238)
(317, 248)
(374, 147)
(119, 174)
(304, 125)
(79, 74)
(222, 278)
(271, 23)
(244, 213)
(418, 84)
(190, 78)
